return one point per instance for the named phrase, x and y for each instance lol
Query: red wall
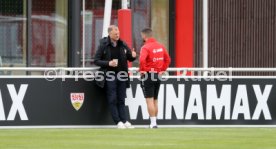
(184, 33)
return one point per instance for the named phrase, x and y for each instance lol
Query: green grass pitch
(162, 138)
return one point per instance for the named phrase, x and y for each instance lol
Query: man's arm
(167, 60)
(143, 57)
(98, 57)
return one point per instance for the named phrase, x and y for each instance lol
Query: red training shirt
(154, 57)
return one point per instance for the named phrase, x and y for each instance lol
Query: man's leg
(121, 92)
(152, 111)
(151, 107)
(148, 90)
(156, 92)
(156, 107)
(112, 100)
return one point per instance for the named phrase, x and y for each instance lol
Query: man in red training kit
(154, 60)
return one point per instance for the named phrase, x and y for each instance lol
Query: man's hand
(113, 63)
(133, 53)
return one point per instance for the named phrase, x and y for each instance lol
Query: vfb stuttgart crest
(77, 100)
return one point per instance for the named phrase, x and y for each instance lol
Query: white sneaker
(153, 126)
(121, 125)
(128, 125)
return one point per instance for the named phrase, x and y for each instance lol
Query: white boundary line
(136, 126)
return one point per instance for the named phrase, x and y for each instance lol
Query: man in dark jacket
(112, 56)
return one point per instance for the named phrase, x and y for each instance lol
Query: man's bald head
(111, 28)
(113, 32)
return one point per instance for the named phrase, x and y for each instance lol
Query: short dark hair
(147, 32)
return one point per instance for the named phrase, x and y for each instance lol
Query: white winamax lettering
(17, 103)
(215, 105)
